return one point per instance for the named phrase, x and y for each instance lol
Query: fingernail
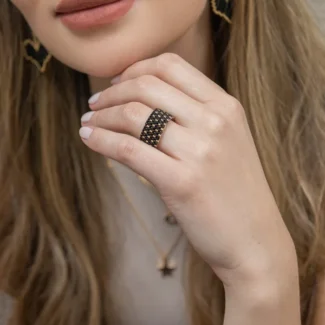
(116, 79)
(94, 98)
(85, 132)
(87, 116)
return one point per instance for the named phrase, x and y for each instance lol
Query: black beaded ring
(155, 126)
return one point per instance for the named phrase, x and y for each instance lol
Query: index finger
(177, 72)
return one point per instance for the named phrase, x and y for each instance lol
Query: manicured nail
(116, 79)
(85, 132)
(94, 98)
(87, 116)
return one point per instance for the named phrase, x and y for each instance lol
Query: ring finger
(130, 119)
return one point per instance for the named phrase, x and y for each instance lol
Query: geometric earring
(222, 9)
(36, 53)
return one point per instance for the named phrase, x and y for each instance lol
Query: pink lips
(86, 14)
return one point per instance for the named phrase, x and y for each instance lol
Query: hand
(206, 167)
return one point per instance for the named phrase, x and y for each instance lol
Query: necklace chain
(164, 256)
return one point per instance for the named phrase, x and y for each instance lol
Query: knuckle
(131, 111)
(234, 109)
(145, 81)
(216, 124)
(204, 150)
(167, 61)
(126, 149)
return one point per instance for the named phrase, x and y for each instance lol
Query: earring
(36, 53)
(222, 9)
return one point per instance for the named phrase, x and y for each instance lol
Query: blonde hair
(53, 246)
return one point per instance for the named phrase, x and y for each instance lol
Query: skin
(208, 150)
(101, 53)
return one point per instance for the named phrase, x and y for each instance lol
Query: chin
(99, 62)
(146, 30)
(100, 68)
(108, 56)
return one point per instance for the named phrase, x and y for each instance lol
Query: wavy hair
(54, 256)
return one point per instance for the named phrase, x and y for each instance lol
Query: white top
(142, 294)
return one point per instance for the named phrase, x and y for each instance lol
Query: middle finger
(152, 92)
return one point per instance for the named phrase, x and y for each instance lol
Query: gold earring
(36, 53)
(222, 9)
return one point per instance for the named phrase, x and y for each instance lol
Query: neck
(195, 46)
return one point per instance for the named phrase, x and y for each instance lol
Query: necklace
(169, 217)
(165, 264)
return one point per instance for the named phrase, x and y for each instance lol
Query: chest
(141, 294)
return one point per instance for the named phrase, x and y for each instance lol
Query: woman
(238, 160)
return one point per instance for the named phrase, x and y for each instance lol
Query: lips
(70, 6)
(80, 15)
